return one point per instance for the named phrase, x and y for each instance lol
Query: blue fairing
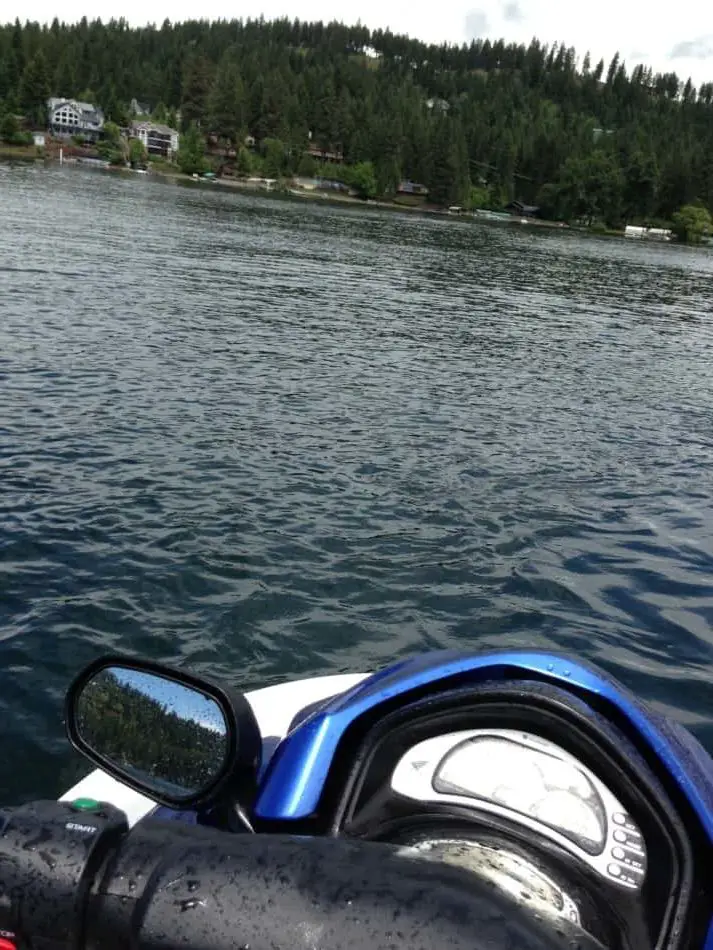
(294, 781)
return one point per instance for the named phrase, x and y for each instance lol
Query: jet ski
(482, 800)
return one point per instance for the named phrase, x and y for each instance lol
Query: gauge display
(531, 782)
(528, 780)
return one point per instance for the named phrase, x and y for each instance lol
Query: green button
(86, 804)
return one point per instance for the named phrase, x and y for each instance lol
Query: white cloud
(699, 48)
(512, 12)
(476, 24)
(671, 41)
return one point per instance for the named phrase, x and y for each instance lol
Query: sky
(185, 702)
(668, 37)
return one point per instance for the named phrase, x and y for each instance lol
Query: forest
(169, 753)
(479, 124)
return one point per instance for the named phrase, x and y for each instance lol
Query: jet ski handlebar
(72, 875)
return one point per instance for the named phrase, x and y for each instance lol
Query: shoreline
(168, 173)
(30, 153)
(349, 200)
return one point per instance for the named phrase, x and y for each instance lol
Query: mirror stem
(240, 812)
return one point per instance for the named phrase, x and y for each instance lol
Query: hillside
(487, 122)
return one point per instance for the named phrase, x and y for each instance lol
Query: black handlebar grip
(50, 853)
(199, 889)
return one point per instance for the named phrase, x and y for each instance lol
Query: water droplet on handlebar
(193, 885)
(190, 904)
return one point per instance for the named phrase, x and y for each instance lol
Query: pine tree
(226, 101)
(191, 151)
(35, 90)
(196, 84)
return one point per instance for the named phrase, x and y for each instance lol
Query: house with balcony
(157, 139)
(67, 117)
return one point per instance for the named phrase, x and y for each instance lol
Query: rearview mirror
(174, 737)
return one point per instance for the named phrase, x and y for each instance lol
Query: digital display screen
(529, 781)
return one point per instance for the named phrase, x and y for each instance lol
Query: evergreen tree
(35, 89)
(191, 151)
(65, 76)
(244, 162)
(226, 101)
(194, 94)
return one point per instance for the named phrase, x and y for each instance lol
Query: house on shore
(157, 139)
(325, 154)
(67, 117)
(412, 188)
(521, 210)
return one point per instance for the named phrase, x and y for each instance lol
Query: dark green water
(266, 438)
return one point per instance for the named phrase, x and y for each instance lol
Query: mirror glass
(170, 737)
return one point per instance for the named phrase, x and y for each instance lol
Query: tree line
(139, 734)
(482, 123)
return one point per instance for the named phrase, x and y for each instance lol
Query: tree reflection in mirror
(170, 737)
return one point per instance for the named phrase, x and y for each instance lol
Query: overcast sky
(679, 37)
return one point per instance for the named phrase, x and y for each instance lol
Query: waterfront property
(325, 154)
(412, 188)
(67, 117)
(522, 210)
(157, 139)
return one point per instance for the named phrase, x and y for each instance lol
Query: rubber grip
(201, 889)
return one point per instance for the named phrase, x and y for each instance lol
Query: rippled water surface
(261, 437)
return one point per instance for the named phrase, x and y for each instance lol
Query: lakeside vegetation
(479, 125)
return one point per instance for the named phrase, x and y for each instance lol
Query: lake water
(261, 437)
